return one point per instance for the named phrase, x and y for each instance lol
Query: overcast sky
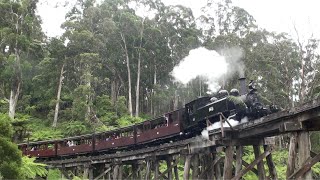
(274, 15)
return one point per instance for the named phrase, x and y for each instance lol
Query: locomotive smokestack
(243, 88)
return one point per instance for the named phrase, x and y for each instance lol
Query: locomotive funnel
(243, 88)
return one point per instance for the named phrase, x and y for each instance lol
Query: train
(176, 125)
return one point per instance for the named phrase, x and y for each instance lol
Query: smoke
(216, 125)
(211, 65)
(233, 57)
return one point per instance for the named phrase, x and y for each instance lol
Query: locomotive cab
(202, 109)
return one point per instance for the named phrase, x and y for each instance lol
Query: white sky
(274, 15)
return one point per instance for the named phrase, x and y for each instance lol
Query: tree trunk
(129, 74)
(14, 95)
(15, 90)
(56, 111)
(139, 70)
(113, 91)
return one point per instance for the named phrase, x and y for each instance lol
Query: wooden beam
(102, 174)
(64, 173)
(260, 165)
(271, 166)
(255, 162)
(239, 154)
(292, 154)
(254, 170)
(162, 175)
(186, 171)
(306, 167)
(169, 169)
(208, 171)
(227, 169)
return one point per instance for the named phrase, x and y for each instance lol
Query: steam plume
(209, 64)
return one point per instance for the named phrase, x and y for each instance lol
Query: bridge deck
(305, 117)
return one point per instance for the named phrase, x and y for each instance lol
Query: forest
(112, 67)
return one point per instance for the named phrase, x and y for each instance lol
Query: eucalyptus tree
(20, 38)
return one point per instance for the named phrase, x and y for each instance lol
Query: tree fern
(31, 169)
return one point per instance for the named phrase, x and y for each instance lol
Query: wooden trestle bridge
(202, 158)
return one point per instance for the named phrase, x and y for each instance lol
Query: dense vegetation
(112, 67)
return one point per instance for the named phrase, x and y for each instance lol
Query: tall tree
(22, 31)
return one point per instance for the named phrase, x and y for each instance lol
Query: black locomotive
(179, 124)
(236, 105)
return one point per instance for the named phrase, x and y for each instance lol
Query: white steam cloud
(210, 65)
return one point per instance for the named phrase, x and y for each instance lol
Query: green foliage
(6, 130)
(74, 128)
(54, 174)
(31, 169)
(128, 120)
(10, 159)
(45, 134)
(10, 156)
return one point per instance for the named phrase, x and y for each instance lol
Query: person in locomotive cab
(234, 92)
(223, 93)
(251, 86)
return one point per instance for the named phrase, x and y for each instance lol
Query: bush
(128, 120)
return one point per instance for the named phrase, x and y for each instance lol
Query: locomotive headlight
(211, 109)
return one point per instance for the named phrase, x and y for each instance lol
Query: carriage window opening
(50, 146)
(147, 126)
(139, 130)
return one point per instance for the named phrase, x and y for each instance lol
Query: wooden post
(187, 166)
(120, 172)
(239, 154)
(221, 125)
(195, 166)
(85, 171)
(175, 169)
(90, 173)
(115, 171)
(306, 167)
(148, 169)
(304, 151)
(134, 167)
(169, 160)
(217, 168)
(156, 169)
(292, 154)
(271, 166)
(211, 168)
(260, 166)
(227, 169)
(207, 165)
(251, 165)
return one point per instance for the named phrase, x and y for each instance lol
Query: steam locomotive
(179, 124)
